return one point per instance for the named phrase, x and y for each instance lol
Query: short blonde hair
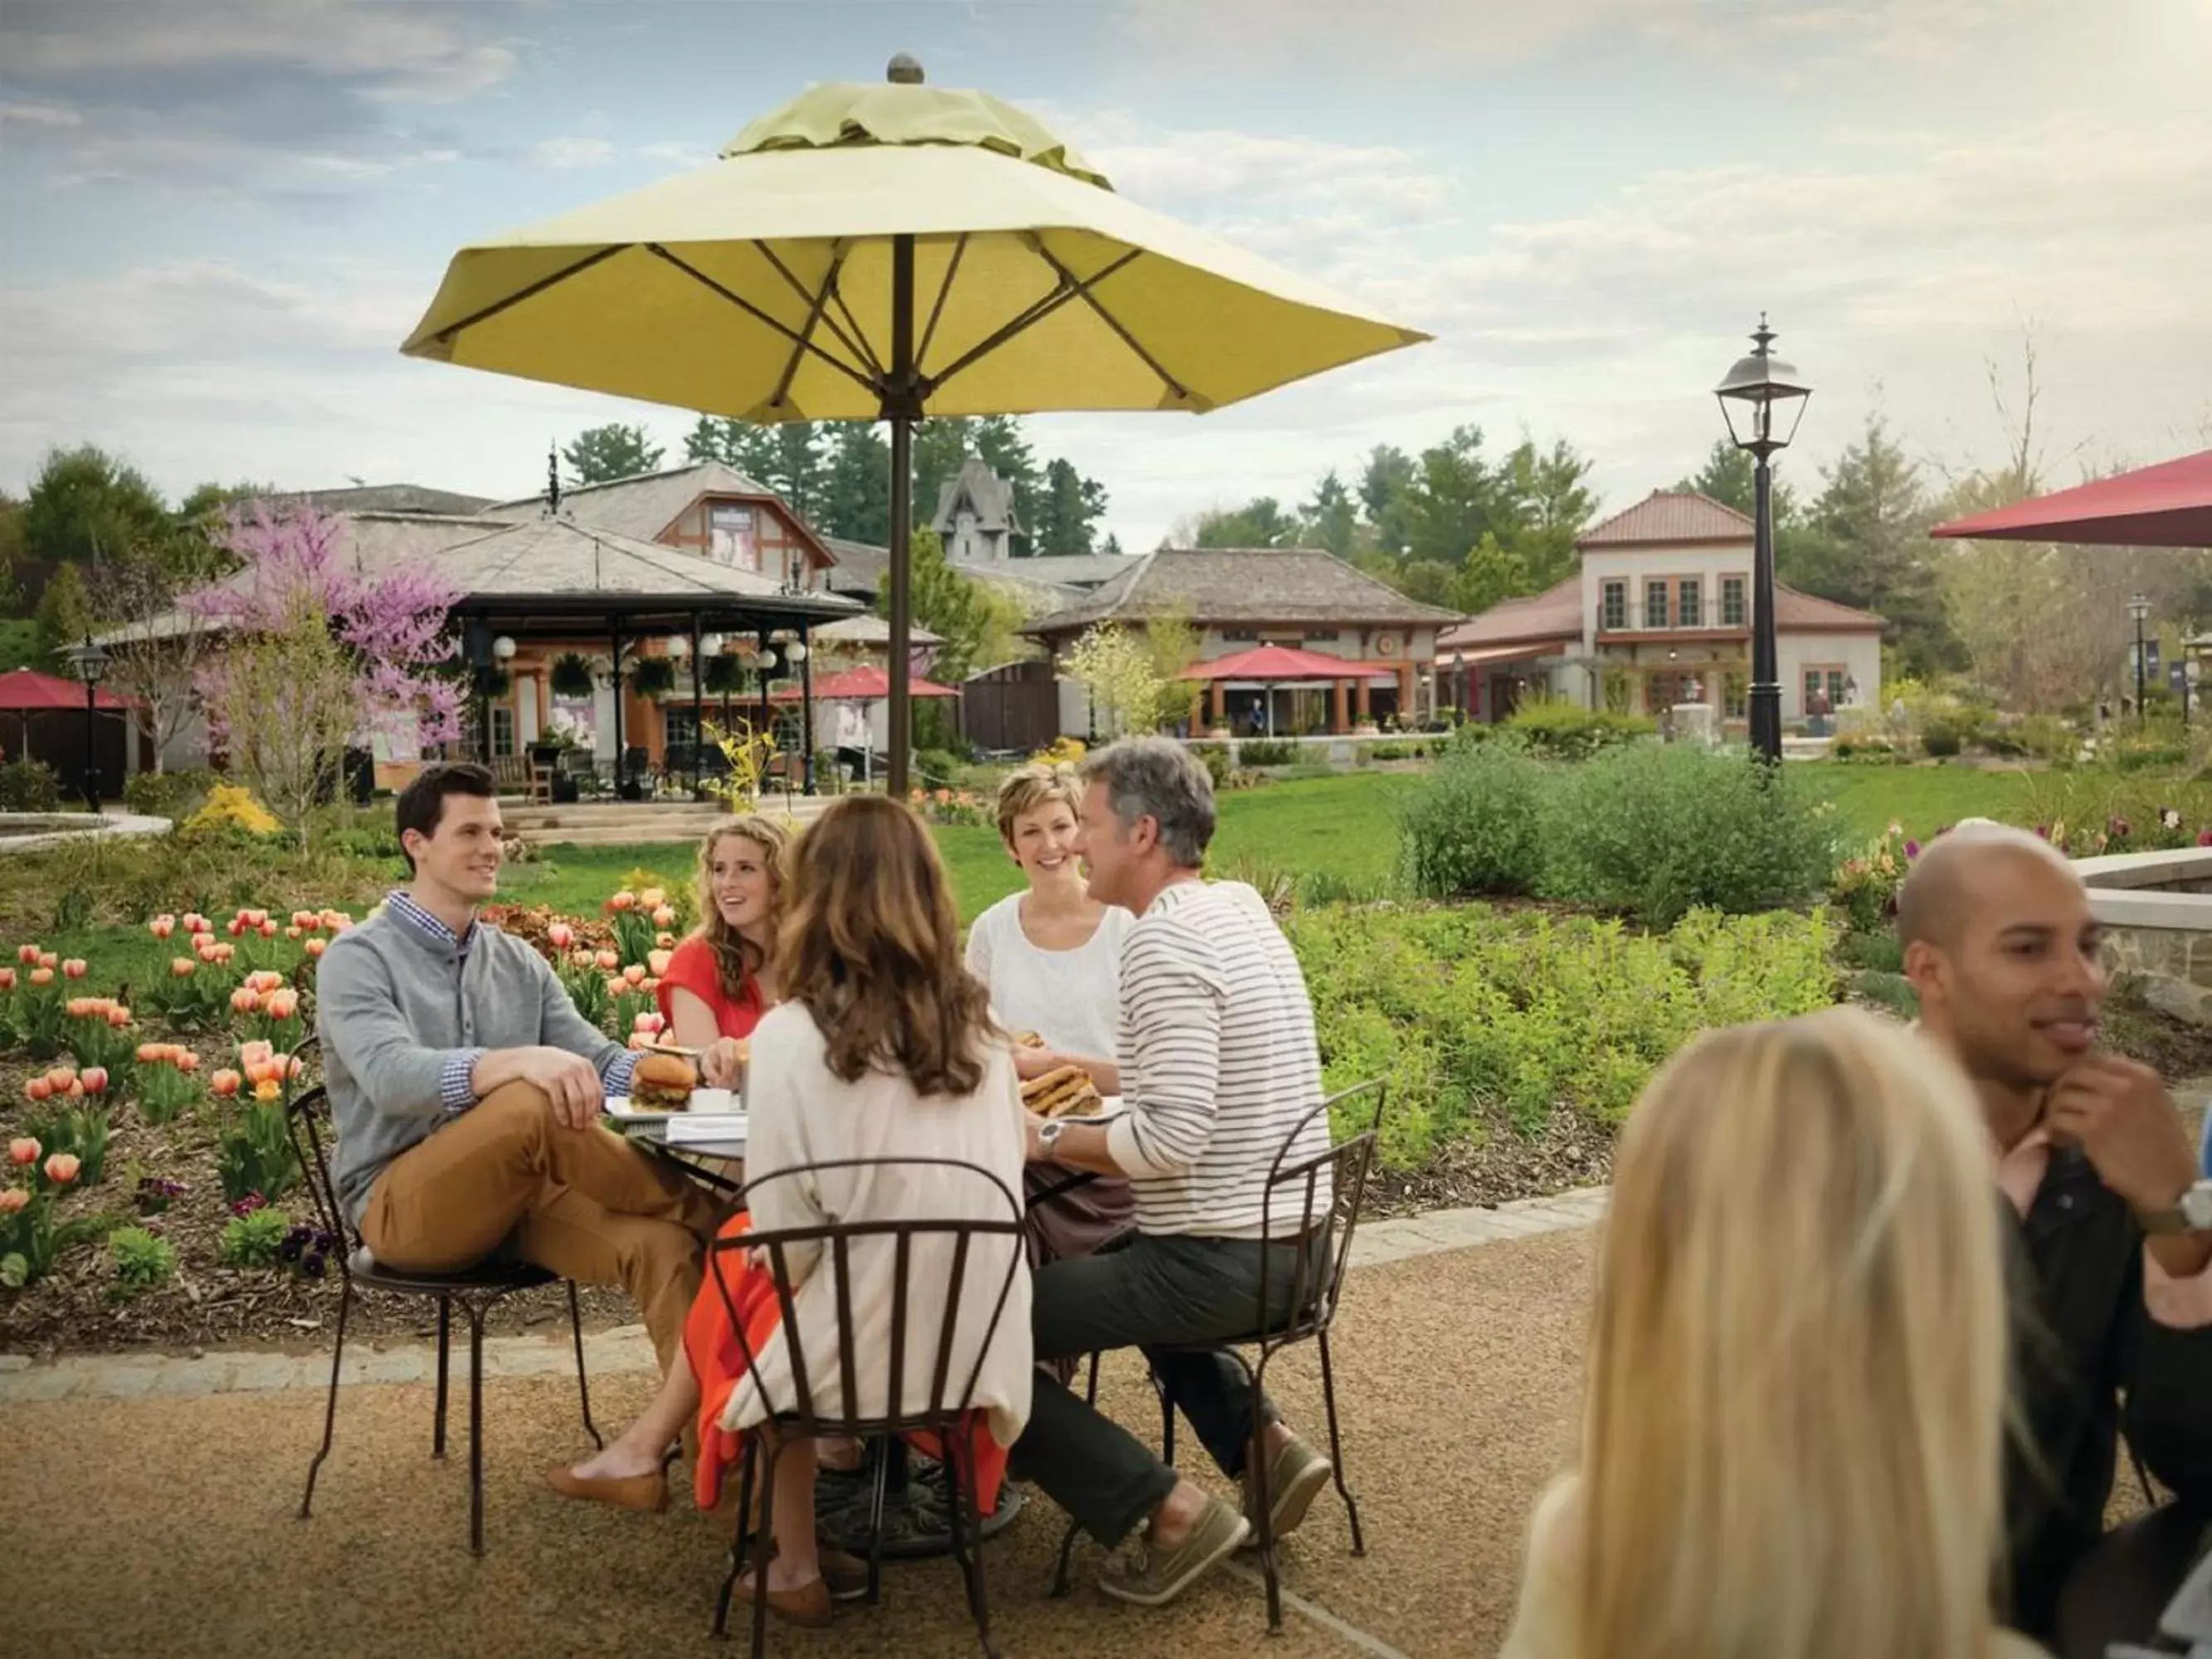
(1026, 789)
(1793, 1429)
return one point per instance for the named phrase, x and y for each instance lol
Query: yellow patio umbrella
(888, 252)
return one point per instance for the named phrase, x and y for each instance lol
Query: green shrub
(1267, 751)
(1567, 731)
(937, 768)
(1659, 831)
(253, 1239)
(1472, 734)
(1480, 1020)
(1864, 752)
(2048, 738)
(1942, 739)
(1215, 759)
(29, 786)
(173, 795)
(143, 1260)
(1477, 826)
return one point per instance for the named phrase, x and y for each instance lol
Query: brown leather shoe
(808, 1605)
(624, 1491)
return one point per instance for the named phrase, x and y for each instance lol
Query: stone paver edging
(626, 1348)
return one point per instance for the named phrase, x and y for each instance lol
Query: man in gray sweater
(466, 1088)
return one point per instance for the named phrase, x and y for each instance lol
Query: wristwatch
(2191, 1214)
(1048, 1136)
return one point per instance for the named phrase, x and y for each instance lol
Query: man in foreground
(466, 1088)
(1219, 1068)
(2114, 1237)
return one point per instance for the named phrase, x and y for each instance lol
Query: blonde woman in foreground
(1791, 1445)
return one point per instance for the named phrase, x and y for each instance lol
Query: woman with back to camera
(721, 979)
(885, 1049)
(1797, 1367)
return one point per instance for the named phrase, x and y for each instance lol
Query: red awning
(2169, 505)
(1272, 665)
(26, 690)
(865, 683)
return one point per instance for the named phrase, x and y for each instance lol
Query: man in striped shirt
(1219, 1071)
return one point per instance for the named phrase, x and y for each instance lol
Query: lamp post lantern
(1762, 400)
(2139, 608)
(89, 662)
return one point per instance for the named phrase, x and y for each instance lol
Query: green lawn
(1924, 799)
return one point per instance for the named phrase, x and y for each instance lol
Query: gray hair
(1157, 778)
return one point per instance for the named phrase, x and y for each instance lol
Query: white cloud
(675, 154)
(39, 115)
(571, 152)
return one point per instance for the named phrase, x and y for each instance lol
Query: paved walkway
(625, 1348)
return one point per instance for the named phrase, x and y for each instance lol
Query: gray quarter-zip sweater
(395, 1008)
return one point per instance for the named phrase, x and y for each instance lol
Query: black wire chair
(477, 1289)
(1321, 1244)
(949, 1398)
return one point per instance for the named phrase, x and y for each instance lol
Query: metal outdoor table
(917, 1513)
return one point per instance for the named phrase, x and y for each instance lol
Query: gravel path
(167, 1525)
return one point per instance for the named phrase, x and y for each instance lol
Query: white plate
(703, 1100)
(1109, 1108)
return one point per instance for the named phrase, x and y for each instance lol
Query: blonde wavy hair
(737, 959)
(1797, 1383)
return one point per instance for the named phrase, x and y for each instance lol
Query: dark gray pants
(1151, 1291)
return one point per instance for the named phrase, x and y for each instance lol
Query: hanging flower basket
(653, 676)
(571, 676)
(723, 676)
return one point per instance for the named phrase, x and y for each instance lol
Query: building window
(1612, 605)
(1690, 606)
(1655, 604)
(1321, 636)
(1824, 682)
(1732, 607)
(730, 535)
(1735, 693)
(1239, 637)
(502, 731)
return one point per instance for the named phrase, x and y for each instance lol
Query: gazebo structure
(44, 716)
(1269, 667)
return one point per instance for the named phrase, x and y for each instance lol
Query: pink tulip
(49, 960)
(648, 1023)
(663, 916)
(606, 962)
(36, 1089)
(656, 962)
(197, 923)
(74, 967)
(560, 935)
(12, 1199)
(634, 974)
(256, 1054)
(235, 927)
(652, 898)
(317, 946)
(623, 901)
(224, 1082)
(23, 1149)
(181, 967)
(96, 1079)
(305, 919)
(187, 1060)
(243, 1000)
(268, 929)
(62, 1168)
(162, 927)
(294, 932)
(283, 1004)
(42, 976)
(27, 955)
(7, 979)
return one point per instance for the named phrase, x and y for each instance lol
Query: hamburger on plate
(662, 1083)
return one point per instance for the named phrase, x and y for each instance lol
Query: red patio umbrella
(2169, 505)
(864, 685)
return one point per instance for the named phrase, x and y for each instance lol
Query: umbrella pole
(902, 407)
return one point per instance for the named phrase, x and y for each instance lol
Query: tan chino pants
(582, 1203)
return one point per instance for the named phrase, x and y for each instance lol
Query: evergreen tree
(1548, 506)
(1331, 518)
(63, 617)
(948, 605)
(940, 445)
(1384, 486)
(611, 451)
(1069, 506)
(86, 505)
(856, 486)
(1260, 522)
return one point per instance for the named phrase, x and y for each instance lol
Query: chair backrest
(834, 1244)
(1295, 1213)
(305, 1120)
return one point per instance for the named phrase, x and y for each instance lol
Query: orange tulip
(94, 1079)
(61, 1076)
(269, 1089)
(162, 927)
(62, 1168)
(118, 1016)
(181, 967)
(27, 955)
(187, 1060)
(317, 946)
(24, 1149)
(242, 1000)
(149, 1053)
(652, 898)
(623, 901)
(294, 931)
(12, 1199)
(224, 1082)
(78, 1007)
(197, 923)
(283, 1004)
(7, 979)
(256, 1052)
(617, 988)
(304, 919)
(664, 917)
(268, 929)
(235, 927)
(74, 967)
(634, 972)
(42, 976)
(37, 1089)
(50, 959)
(606, 962)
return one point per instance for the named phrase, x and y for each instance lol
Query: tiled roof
(1810, 612)
(383, 498)
(1556, 613)
(1218, 585)
(991, 496)
(1669, 516)
(860, 567)
(640, 507)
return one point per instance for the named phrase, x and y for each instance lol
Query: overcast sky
(218, 218)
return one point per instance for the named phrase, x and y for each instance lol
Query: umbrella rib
(449, 332)
(944, 293)
(1028, 317)
(1037, 246)
(757, 314)
(814, 317)
(856, 343)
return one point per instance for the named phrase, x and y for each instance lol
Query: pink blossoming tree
(317, 654)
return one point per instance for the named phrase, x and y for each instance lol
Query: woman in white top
(1792, 1421)
(883, 1049)
(1050, 956)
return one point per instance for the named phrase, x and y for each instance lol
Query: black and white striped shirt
(1219, 1066)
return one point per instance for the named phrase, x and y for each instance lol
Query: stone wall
(2157, 909)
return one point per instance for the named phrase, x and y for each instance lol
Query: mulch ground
(169, 1526)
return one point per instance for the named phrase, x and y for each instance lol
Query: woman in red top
(722, 980)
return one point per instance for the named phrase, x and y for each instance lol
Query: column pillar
(1407, 713)
(1217, 702)
(1338, 724)
(1359, 699)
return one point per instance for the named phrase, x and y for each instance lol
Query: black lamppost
(89, 662)
(1762, 400)
(2139, 608)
